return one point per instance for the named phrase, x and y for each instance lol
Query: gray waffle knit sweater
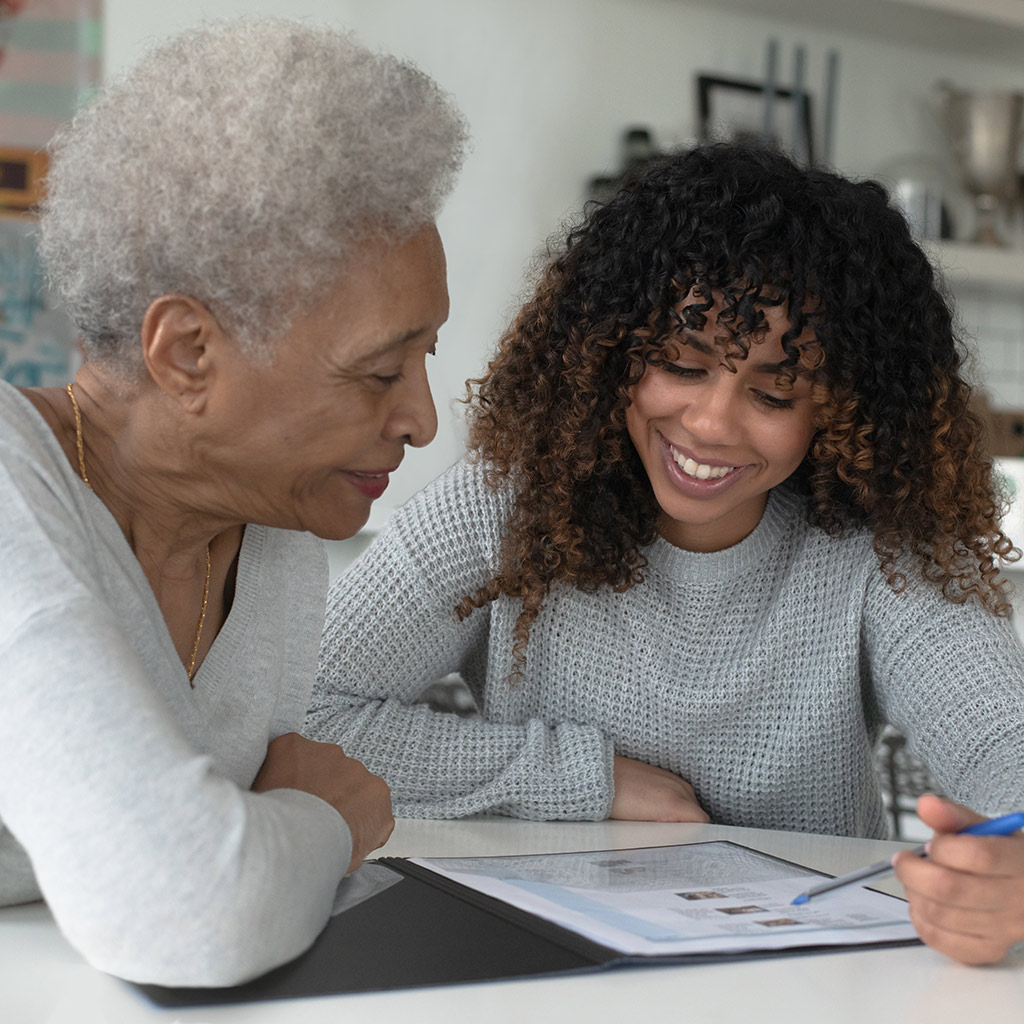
(762, 674)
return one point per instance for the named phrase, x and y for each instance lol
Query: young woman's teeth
(700, 470)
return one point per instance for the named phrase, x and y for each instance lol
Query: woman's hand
(967, 897)
(646, 793)
(362, 799)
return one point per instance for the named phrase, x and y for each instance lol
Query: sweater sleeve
(156, 868)
(951, 678)
(391, 631)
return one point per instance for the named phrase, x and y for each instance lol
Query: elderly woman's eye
(387, 379)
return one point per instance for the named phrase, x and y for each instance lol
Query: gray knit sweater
(762, 674)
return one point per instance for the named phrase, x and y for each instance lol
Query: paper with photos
(715, 897)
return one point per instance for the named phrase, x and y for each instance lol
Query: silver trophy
(984, 133)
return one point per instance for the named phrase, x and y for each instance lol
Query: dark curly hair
(896, 450)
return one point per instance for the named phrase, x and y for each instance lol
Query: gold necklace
(202, 619)
(78, 439)
(206, 586)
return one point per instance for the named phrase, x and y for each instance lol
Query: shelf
(1008, 13)
(979, 265)
(989, 28)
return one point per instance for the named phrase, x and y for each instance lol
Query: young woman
(729, 515)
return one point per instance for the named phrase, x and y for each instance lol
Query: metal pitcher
(984, 134)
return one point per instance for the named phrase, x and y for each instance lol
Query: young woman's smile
(715, 439)
(696, 475)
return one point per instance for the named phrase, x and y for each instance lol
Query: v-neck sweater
(124, 791)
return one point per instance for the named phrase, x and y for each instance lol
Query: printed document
(715, 897)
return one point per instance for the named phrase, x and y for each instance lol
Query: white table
(43, 980)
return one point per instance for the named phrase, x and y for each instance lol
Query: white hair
(240, 163)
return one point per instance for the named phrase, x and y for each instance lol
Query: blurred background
(562, 97)
(552, 89)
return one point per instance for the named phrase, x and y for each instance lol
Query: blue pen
(1004, 826)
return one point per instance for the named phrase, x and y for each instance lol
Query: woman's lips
(699, 469)
(698, 477)
(372, 483)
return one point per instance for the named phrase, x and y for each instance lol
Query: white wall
(548, 86)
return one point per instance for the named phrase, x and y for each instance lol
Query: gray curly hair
(239, 163)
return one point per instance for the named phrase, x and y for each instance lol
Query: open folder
(413, 922)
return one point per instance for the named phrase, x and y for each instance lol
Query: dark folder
(430, 930)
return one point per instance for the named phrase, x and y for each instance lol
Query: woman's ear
(181, 342)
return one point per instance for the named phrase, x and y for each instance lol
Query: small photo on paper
(748, 909)
(702, 894)
(778, 922)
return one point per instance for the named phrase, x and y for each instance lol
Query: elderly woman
(242, 230)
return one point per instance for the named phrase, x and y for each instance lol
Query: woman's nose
(414, 419)
(711, 415)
